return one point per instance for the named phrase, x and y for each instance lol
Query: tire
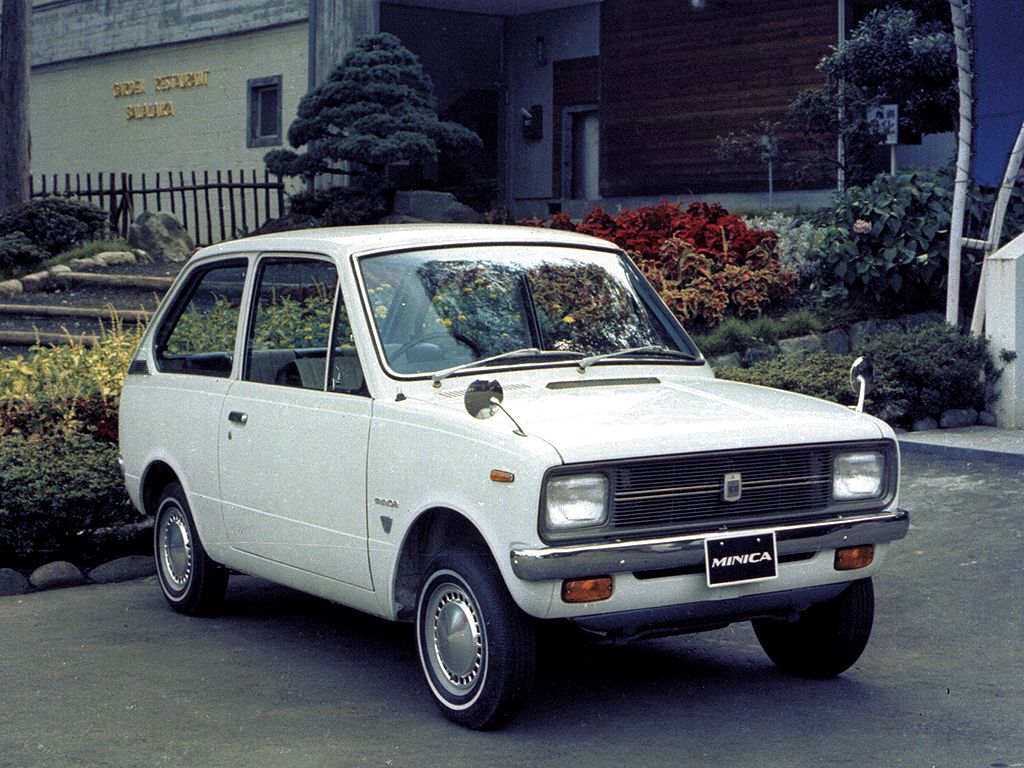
(477, 649)
(827, 638)
(192, 583)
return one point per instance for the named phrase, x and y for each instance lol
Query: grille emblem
(732, 486)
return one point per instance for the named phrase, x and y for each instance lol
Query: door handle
(238, 417)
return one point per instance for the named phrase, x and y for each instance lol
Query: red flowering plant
(705, 262)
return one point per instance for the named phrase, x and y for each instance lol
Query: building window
(264, 111)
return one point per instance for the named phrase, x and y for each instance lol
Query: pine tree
(377, 107)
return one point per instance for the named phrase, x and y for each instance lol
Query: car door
(293, 439)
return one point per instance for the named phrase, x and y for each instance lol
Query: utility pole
(14, 76)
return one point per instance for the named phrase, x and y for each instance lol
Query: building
(579, 102)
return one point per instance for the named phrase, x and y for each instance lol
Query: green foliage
(735, 335)
(928, 370)
(888, 241)
(342, 206)
(891, 57)
(54, 486)
(377, 107)
(18, 255)
(55, 224)
(798, 242)
(819, 374)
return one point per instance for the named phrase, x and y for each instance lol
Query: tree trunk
(963, 159)
(14, 76)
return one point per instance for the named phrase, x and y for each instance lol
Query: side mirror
(862, 379)
(482, 398)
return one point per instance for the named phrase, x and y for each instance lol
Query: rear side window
(198, 335)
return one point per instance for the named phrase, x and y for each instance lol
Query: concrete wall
(571, 33)
(1004, 325)
(73, 29)
(79, 125)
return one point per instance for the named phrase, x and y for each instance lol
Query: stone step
(61, 310)
(103, 280)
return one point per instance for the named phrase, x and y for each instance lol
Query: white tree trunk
(963, 159)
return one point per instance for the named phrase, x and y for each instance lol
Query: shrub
(18, 255)
(818, 374)
(342, 206)
(705, 262)
(55, 224)
(798, 243)
(52, 487)
(928, 370)
(888, 242)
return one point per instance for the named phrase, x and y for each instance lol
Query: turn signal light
(852, 558)
(587, 590)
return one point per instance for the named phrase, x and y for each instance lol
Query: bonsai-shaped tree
(377, 107)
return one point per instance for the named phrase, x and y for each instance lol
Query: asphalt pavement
(107, 675)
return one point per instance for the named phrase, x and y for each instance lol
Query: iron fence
(212, 205)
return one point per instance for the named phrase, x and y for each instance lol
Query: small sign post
(885, 119)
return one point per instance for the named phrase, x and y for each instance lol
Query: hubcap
(454, 638)
(175, 546)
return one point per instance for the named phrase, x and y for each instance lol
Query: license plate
(740, 559)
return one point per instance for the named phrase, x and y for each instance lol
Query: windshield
(448, 307)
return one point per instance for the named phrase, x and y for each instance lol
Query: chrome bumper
(606, 558)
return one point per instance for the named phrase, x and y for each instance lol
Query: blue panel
(999, 63)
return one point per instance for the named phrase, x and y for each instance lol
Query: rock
(910, 322)
(123, 569)
(726, 361)
(10, 287)
(12, 583)
(760, 354)
(59, 269)
(800, 345)
(37, 281)
(56, 574)
(161, 236)
(860, 332)
(433, 206)
(836, 341)
(987, 419)
(87, 262)
(110, 258)
(925, 425)
(955, 418)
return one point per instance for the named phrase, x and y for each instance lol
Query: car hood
(587, 421)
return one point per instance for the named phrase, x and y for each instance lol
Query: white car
(480, 428)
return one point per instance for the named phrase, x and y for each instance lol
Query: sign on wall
(160, 85)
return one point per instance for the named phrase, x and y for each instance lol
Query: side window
(291, 323)
(264, 97)
(346, 372)
(198, 335)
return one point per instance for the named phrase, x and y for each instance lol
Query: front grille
(686, 489)
(685, 493)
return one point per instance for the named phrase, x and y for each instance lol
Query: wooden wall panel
(673, 78)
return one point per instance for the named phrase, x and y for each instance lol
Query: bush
(705, 262)
(818, 374)
(928, 370)
(18, 256)
(889, 242)
(733, 335)
(798, 243)
(342, 206)
(53, 487)
(55, 224)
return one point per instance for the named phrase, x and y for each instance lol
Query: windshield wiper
(524, 352)
(650, 349)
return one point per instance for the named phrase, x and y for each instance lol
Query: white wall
(78, 125)
(571, 33)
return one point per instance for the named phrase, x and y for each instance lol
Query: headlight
(858, 476)
(576, 501)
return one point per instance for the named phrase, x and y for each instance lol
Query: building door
(581, 153)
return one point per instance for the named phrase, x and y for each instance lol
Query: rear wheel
(476, 647)
(827, 638)
(191, 582)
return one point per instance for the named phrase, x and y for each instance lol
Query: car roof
(343, 241)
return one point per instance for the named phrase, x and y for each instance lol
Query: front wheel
(476, 647)
(827, 638)
(191, 582)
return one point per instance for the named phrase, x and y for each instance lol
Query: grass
(87, 250)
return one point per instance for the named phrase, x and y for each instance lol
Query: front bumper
(607, 558)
